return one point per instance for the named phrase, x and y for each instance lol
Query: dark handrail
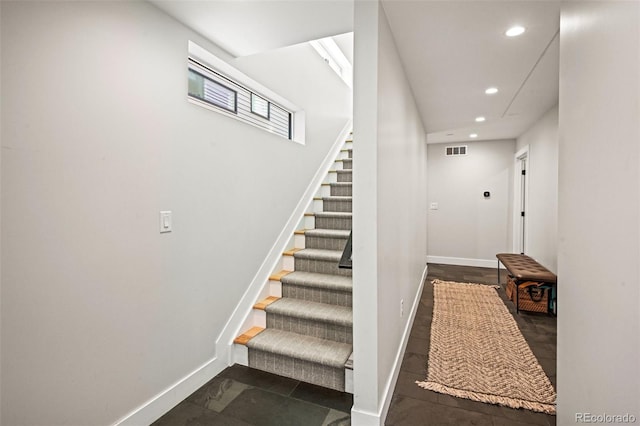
(345, 260)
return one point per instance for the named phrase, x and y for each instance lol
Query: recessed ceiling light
(480, 119)
(491, 90)
(514, 31)
(473, 135)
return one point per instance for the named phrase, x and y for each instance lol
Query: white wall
(389, 212)
(1, 97)
(599, 210)
(467, 228)
(542, 174)
(101, 313)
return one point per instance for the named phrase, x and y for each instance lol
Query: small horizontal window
(237, 101)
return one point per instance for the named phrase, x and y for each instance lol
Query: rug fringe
(492, 399)
(437, 281)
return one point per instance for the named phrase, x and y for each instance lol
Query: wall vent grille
(456, 150)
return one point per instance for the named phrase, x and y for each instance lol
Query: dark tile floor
(412, 405)
(243, 396)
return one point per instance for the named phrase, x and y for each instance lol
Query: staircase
(304, 327)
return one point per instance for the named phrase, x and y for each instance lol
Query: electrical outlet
(401, 307)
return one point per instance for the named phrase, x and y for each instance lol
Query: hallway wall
(599, 210)
(542, 173)
(389, 213)
(100, 312)
(467, 228)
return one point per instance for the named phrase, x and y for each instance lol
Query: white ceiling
(451, 50)
(246, 27)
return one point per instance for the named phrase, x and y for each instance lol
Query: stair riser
(341, 191)
(332, 176)
(325, 191)
(321, 330)
(325, 243)
(332, 223)
(347, 163)
(320, 266)
(344, 176)
(320, 295)
(310, 372)
(299, 241)
(337, 206)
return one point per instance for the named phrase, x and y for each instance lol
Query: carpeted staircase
(308, 334)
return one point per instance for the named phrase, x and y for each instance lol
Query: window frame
(224, 107)
(280, 123)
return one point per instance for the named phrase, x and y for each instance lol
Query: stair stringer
(241, 316)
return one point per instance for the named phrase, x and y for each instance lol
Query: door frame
(518, 196)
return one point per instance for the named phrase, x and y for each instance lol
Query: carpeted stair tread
(345, 215)
(319, 254)
(337, 198)
(327, 233)
(320, 312)
(317, 280)
(307, 348)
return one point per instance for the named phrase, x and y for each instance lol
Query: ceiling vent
(456, 150)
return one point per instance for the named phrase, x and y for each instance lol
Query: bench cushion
(524, 268)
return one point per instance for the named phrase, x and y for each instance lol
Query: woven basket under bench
(535, 284)
(531, 296)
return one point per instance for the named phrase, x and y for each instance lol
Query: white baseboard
(366, 418)
(462, 261)
(233, 327)
(393, 378)
(157, 406)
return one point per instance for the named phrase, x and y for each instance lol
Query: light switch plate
(434, 206)
(165, 222)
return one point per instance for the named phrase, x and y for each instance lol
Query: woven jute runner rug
(477, 351)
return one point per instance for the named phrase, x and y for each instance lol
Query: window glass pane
(259, 106)
(219, 95)
(211, 92)
(196, 85)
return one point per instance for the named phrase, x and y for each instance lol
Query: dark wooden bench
(527, 274)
